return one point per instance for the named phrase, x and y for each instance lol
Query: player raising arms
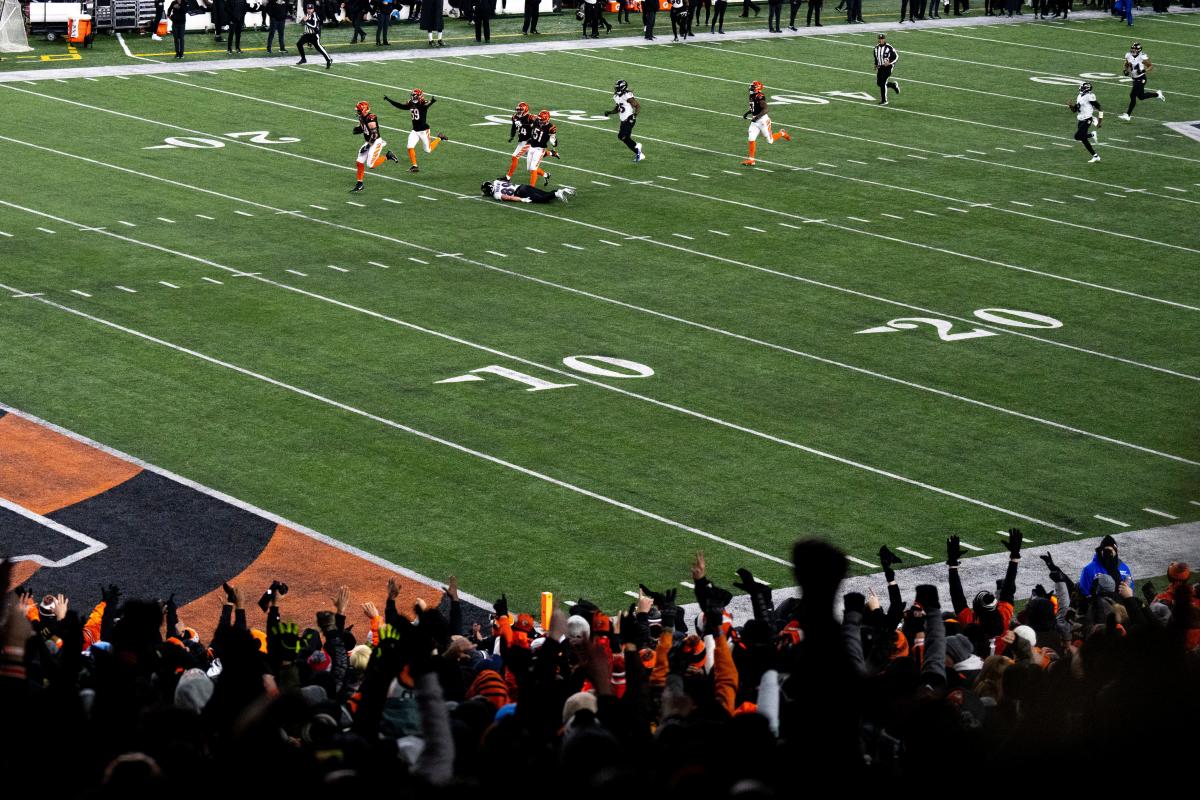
(372, 153)
(542, 137)
(418, 105)
(522, 127)
(760, 123)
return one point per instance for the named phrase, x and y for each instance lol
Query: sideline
(125, 70)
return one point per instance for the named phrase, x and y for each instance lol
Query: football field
(927, 318)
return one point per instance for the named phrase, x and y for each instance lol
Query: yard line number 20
(1008, 317)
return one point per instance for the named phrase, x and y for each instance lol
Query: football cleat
(1094, 159)
(414, 168)
(562, 194)
(1125, 117)
(895, 87)
(545, 178)
(358, 187)
(787, 137)
(390, 156)
(1162, 96)
(749, 162)
(442, 137)
(639, 156)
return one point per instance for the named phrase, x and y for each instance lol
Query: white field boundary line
(1127, 36)
(791, 126)
(241, 504)
(1100, 56)
(1114, 81)
(943, 117)
(633, 41)
(90, 546)
(763, 209)
(669, 245)
(410, 430)
(680, 320)
(564, 373)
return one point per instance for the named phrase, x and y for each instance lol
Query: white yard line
(698, 415)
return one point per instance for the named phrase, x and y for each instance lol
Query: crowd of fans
(1084, 677)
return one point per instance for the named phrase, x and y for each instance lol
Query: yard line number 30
(945, 328)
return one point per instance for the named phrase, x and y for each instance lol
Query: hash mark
(764, 169)
(971, 547)
(1114, 194)
(601, 183)
(923, 213)
(730, 172)
(81, 294)
(390, 200)
(824, 164)
(914, 155)
(698, 175)
(856, 161)
(1113, 521)
(297, 272)
(535, 250)
(1005, 533)
(417, 260)
(335, 267)
(1019, 203)
(959, 210)
(1147, 138)
(317, 207)
(1084, 197)
(211, 280)
(666, 178)
(1158, 513)
(377, 264)
(977, 152)
(203, 216)
(1175, 189)
(127, 224)
(893, 216)
(426, 197)
(606, 241)
(573, 246)
(46, 230)
(718, 233)
(496, 253)
(244, 213)
(913, 553)
(790, 225)
(752, 228)
(164, 219)
(127, 289)
(1033, 147)
(1052, 200)
(352, 203)
(681, 236)
(6, 235)
(169, 285)
(860, 219)
(1006, 149)
(885, 158)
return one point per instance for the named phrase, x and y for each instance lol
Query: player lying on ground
(503, 189)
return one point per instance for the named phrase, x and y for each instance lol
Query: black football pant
(530, 20)
(276, 27)
(649, 13)
(1081, 134)
(794, 10)
(679, 22)
(626, 133)
(533, 193)
(882, 76)
(314, 40)
(1138, 92)
(814, 6)
(774, 10)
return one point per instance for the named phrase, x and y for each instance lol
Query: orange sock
(533, 176)
(752, 149)
(412, 156)
(379, 161)
(775, 137)
(512, 167)
(361, 169)
(433, 144)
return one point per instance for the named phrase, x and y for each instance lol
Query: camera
(277, 588)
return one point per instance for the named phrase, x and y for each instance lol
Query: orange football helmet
(522, 108)
(756, 87)
(544, 115)
(363, 108)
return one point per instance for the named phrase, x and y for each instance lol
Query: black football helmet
(621, 87)
(1084, 88)
(486, 188)
(1135, 48)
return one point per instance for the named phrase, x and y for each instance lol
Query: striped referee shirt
(885, 53)
(312, 24)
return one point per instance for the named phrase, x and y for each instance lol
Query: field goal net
(12, 28)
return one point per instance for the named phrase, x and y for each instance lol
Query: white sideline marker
(1158, 513)
(1147, 138)
(335, 267)
(1113, 521)
(127, 289)
(606, 241)
(377, 264)
(419, 261)
(534, 250)
(496, 253)
(1194, 502)
(914, 553)
(211, 280)
(860, 562)
(169, 285)
(573, 246)
(1062, 144)
(718, 233)
(297, 272)
(81, 294)
(682, 236)
(764, 169)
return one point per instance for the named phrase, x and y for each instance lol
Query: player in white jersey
(627, 108)
(1085, 106)
(1138, 66)
(504, 189)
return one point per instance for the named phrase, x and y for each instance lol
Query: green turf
(768, 416)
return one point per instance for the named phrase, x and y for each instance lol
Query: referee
(312, 35)
(885, 58)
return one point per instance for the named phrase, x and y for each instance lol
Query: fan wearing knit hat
(1107, 561)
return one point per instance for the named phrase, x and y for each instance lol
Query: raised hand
(370, 610)
(953, 551)
(393, 589)
(1013, 543)
(60, 606)
(452, 590)
(341, 600)
(698, 566)
(501, 606)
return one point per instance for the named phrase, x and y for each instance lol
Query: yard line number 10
(945, 328)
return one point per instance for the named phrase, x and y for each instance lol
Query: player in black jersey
(760, 123)
(373, 151)
(522, 127)
(543, 137)
(418, 106)
(312, 35)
